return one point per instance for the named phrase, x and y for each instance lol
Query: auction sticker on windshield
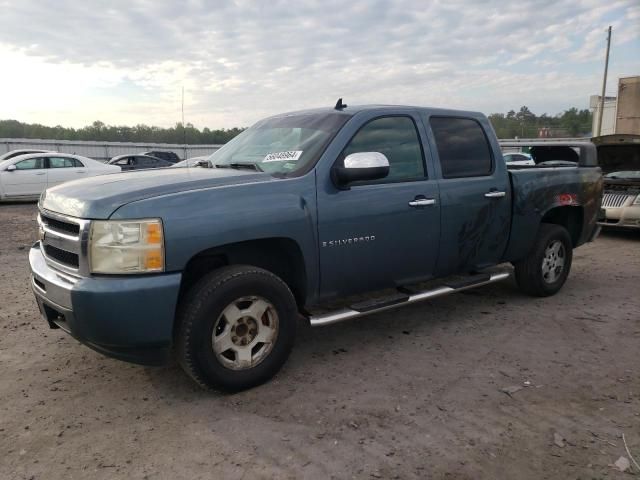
(291, 155)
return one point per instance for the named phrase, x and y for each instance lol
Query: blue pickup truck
(315, 216)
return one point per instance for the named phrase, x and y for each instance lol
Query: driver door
(29, 179)
(380, 233)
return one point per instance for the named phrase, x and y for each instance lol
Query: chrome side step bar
(400, 300)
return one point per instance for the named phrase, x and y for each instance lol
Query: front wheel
(236, 328)
(544, 271)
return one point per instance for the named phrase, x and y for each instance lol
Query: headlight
(637, 200)
(126, 246)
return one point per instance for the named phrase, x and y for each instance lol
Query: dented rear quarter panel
(536, 191)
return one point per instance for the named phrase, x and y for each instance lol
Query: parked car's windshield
(630, 174)
(281, 145)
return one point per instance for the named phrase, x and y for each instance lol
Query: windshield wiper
(241, 166)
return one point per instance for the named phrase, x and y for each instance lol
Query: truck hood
(98, 197)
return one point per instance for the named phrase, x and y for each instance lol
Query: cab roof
(352, 110)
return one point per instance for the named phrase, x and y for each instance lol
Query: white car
(15, 153)
(25, 177)
(519, 159)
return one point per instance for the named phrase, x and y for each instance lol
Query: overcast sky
(124, 62)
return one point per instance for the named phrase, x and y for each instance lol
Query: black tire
(202, 309)
(529, 271)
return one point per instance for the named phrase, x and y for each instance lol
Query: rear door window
(63, 162)
(463, 147)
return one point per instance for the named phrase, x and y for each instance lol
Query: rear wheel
(236, 328)
(544, 271)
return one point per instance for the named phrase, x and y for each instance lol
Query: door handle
(422, 202)
(41, 173)
(495, 194)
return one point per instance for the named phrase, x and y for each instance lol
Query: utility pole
(184, 129)
(604, 84)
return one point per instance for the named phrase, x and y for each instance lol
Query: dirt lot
(415, 393)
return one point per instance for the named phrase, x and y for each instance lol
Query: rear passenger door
(63, 169)
(145, 162)
(474, 195)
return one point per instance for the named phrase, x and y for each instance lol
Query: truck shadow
(621, 234)
(344, 348)
(18, 202)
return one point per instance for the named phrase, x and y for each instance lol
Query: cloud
(126, 61)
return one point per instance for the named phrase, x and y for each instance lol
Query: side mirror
(361, 167)
(203, 164)
(11, 168)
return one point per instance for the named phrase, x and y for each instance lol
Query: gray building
(621, 114)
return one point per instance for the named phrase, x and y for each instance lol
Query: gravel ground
(414, 393)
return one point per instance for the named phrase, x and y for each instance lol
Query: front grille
(60, 226)
(62, 256)
(63, 242)
(614, 200)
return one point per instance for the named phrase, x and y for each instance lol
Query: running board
(405, 296)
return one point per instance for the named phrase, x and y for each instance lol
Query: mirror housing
(11, 168)
(360, 167)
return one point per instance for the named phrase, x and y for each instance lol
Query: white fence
(104, 150)
(525, 141)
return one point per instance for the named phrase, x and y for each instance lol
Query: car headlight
(637, 200)
(126, 246)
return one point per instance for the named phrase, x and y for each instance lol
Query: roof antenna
(340, 105)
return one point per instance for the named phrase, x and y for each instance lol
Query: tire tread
(193, 303)
(528, 270)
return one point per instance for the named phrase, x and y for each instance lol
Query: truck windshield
(282, 146)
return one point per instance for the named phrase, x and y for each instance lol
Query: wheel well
(571, 218)
(280, 256)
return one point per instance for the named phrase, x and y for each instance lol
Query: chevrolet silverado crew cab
(318, 216)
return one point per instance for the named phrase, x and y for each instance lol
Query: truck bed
(537, 190)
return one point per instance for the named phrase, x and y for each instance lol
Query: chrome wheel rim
(245, 332)
(553, 261)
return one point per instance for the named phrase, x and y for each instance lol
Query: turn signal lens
(154, 233)
(153, 260)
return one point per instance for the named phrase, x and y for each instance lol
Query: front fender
(200, 220)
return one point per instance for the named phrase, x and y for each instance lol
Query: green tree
(99, 131)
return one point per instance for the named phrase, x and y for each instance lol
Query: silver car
(621, 199)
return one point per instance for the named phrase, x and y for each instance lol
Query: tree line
(523, 124)
(99, 131)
